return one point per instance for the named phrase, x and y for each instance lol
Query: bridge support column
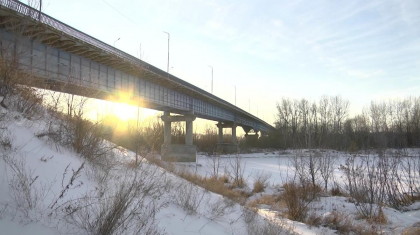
(178, 152)
(234, 139)
(227, 147)
(220, 127)
(166, 130)
(189, 133)
(251, 140)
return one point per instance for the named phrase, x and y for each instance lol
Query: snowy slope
(183, 208)
(49, 169)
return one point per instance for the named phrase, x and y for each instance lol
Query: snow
(278, 165)
(49, 164)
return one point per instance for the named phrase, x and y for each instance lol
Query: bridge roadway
(62, 58)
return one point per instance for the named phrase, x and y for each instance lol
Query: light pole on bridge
(211, 78)
(116, 41)
(235, 93)
(167, 68)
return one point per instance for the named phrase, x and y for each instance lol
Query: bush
(270, 200)
(260, 182)
(258, 226)
(188, 196)
(344, 224)
(336, 191)
(237, 169)
(26, 192)
(297, 198)
(6, 138)
(28, 101)
(128, 208)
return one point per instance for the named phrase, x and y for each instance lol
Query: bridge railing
(36, 15)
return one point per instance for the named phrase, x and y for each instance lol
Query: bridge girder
(15, 18)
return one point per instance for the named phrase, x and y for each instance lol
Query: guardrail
(37, 15)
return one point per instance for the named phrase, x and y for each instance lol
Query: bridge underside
(52, 55)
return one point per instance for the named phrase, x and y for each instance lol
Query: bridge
(61, 58)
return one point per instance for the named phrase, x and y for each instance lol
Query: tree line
(326, 123)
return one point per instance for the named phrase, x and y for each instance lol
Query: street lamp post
(116, 41)
(235, 94)
(40, 10)
(167, 68)
(211, 79)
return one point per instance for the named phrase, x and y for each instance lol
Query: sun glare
(120, 106)
(124, 111)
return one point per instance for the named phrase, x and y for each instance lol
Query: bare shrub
(344, 224)
(326, 168)
(410, 171)
(188, 196)
(366, 183)
(3, 209)
(237, 169)
(256, 225)
(339, 221)
(307, 169)
(71, 184)
(28, 101)
(214, 164)
(220, 208)
(129, 207)
(260, 182)
(313, 220)
(336, 190)
(297, 198)
(266, 228)
(6, 138)
(207, 142)
(68, 127)
(25, 193)
(249, 214)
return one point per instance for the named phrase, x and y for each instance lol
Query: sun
(123, 107)
(120, 106)
(124, 112)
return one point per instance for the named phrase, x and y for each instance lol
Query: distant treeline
(326, 123)
(300, 123)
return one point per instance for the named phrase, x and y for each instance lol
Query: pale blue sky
(361, 50)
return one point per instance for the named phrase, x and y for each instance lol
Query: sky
(362, 50)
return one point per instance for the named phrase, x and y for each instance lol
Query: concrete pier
(178, 152)
(223, 147)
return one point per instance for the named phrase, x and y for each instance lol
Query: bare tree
(327, 164)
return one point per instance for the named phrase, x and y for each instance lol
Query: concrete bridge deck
(65, 59)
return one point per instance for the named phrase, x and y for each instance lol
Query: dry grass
(270, 200)
(258, 187)
(216, 185)
(342, 223)
(297, 198)
(411, 231)
(336, 191)
(380, 217)
(260, 182)
(238, 183)
(224, 179)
